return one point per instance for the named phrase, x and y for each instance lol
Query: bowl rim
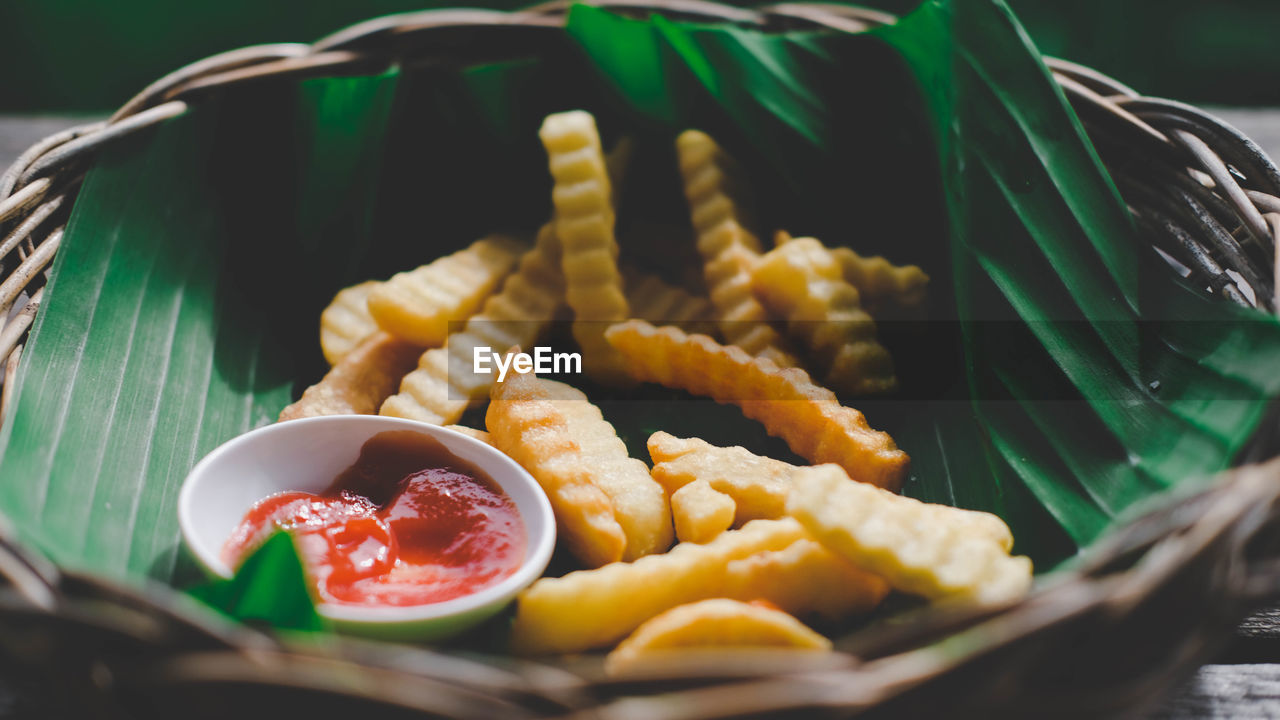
(537, 553)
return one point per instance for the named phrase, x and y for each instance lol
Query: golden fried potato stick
(346, 321)
(584, 221)
(714, 187)
(418, 305)
(729, 252)
(361, 380)
(888, 291)
(759, 485)
(701, 512)
(802, 281)
(652, 299)
(525, 423)
(444, 384)
(772, 560)
(431, 393)
(639, 503)
(805, 578)
(898, 539)
(718, 622)
(787, 402)
(596, 608)
(471, 432)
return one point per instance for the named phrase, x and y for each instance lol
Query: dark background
(92, 55)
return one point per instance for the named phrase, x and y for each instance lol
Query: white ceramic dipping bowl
(307, 455)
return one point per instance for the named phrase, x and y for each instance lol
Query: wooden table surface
(1243, 682)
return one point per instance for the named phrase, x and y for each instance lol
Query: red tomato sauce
(409, 523)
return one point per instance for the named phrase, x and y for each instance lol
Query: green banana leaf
(1065, 376)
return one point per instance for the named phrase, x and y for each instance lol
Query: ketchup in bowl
(409, 523)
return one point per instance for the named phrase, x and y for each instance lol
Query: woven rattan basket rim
(1209, 197)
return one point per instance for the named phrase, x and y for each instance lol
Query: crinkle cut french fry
(888, 291)
(426, 394)
(596, 608)
(802, 281)
(787, 402)
(584, 222)
(471, 432)
(524, 423)
(718, 622)
(652, 299)
(805, 578)
(346, 321)
(418, 305)
(729, 251)
(759, 485)
(361, 380)
(713, 187)
(444, 384)
(900, 540)
(639, 503)
(701, 512)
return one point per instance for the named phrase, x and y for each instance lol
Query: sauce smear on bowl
(409, 523)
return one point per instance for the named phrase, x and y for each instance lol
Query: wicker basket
(1148, 605)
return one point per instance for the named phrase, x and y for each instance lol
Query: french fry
(524, 423)
(597, 608)
(652, 299)
(431, 393)
(759, 485)
(471, 432)
(805, 578)
(361, 380)
(444, 384)
(701, 512)
(771, 560)
(789, 405)
(898, 539)
(729, 251)
(639, 503)
(583, 200)
(718, 622)
(802, 281)
(346, 321)
(888, 291)
(417, 306)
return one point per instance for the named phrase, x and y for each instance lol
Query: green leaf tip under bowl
(269, 588)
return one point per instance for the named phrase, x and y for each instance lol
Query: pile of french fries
(760, 544)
